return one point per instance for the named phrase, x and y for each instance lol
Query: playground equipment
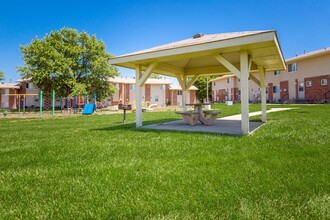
(48, 102)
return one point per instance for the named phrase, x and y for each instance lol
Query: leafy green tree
(70, 63)
(2, 76)
(201, 86)
(155, 76)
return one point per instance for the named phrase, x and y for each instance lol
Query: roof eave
(126, 61)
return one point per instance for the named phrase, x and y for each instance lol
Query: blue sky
(127, 26)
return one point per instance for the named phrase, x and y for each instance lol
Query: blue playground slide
(89, 109)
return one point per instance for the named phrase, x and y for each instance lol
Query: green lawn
(96, 167)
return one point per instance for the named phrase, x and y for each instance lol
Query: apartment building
(8, 96)
(155, 91)
(306, 80)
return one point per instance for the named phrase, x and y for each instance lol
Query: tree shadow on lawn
(131, 127)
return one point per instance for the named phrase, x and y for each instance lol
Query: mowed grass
(95, 167)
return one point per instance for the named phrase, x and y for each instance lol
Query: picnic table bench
(189, 117)
(209, 117)
(205, 117)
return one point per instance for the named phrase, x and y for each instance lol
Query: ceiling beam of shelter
(254, 79)
(250, 62)
(181, 81)
(147, 73)
(228, 65)
(262, 76)
(191, 82)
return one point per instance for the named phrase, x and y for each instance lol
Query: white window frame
(277, 90)
(131, 86)
(277, 73)
(292, 67)
(324, 82)
(301, 87)
(228, 80)
(309, 83)
(179, 92)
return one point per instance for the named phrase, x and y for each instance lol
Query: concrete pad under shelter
(232, 127)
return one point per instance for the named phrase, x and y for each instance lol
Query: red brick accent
(297, 89)
(270, 92)
(192, 95)
(12, 99)
(317, 92)
(147, 92)
(284, 90)
(234, 94)
(167, 94)
(127, 97)
(175, 97)
(222, 95)
(121, 92)
(22, 88)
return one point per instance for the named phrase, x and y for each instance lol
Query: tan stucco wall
(316, 66)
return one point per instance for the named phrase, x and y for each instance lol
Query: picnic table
(206, 117)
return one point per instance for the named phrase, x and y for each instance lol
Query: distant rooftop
(309, 55)
(8, 86)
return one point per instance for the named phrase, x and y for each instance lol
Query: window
(131, 86)
(308, 83)
(276, 73)
(162, 87)
(179, 92)
(156, 98)
(239, 80)
(276, 89)
(214, 84)
(228, 80)
(324, 82)
(29, 85)
(292, 67)
(301, 87)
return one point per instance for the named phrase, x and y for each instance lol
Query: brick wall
(167, 94)
(284, 90)
(147, 91)
(127, 96)
(297, 89)
(175, 97)
(121, 92)
(12, 99)
(235, 94)
(192, 95)
(317, 91)
(222, 95)
(270, 92)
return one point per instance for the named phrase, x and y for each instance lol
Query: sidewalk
(238, 117)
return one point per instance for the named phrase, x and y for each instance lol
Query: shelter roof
(177, 87)
(127, 80)
(195, 56)
(223, 77)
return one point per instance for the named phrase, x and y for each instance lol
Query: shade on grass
(97, 167)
